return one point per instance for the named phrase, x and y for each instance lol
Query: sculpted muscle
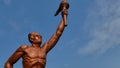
(33, 57)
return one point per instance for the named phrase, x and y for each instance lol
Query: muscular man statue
(34, 56)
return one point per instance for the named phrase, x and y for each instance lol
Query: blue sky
(91, 39)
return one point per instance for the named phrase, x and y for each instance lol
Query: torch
(64, 5)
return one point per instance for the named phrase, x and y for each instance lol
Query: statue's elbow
(8, 65)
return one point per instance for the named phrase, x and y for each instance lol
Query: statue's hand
(62, 8)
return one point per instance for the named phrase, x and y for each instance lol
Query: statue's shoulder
(24, 47)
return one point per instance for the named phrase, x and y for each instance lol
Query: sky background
(91, 39)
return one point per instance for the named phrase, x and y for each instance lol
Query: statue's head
(34, 37)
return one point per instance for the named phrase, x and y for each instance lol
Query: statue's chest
(35, 53)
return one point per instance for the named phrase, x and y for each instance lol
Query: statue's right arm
(15, 57)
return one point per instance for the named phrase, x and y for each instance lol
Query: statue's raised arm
(55, 37)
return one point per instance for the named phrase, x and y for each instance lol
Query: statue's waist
(35, 60)
(34, 65)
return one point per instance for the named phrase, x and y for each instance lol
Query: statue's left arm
(55, 37)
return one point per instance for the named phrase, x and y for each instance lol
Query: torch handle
(65, 19)
(65, 6)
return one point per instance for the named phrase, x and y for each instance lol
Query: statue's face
(36, 38)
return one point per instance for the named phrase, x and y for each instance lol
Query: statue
(34, 56)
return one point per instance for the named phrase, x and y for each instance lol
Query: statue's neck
(36, 45)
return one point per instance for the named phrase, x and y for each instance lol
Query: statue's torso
(34, 58)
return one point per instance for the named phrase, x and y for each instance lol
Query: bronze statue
(34, 56)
